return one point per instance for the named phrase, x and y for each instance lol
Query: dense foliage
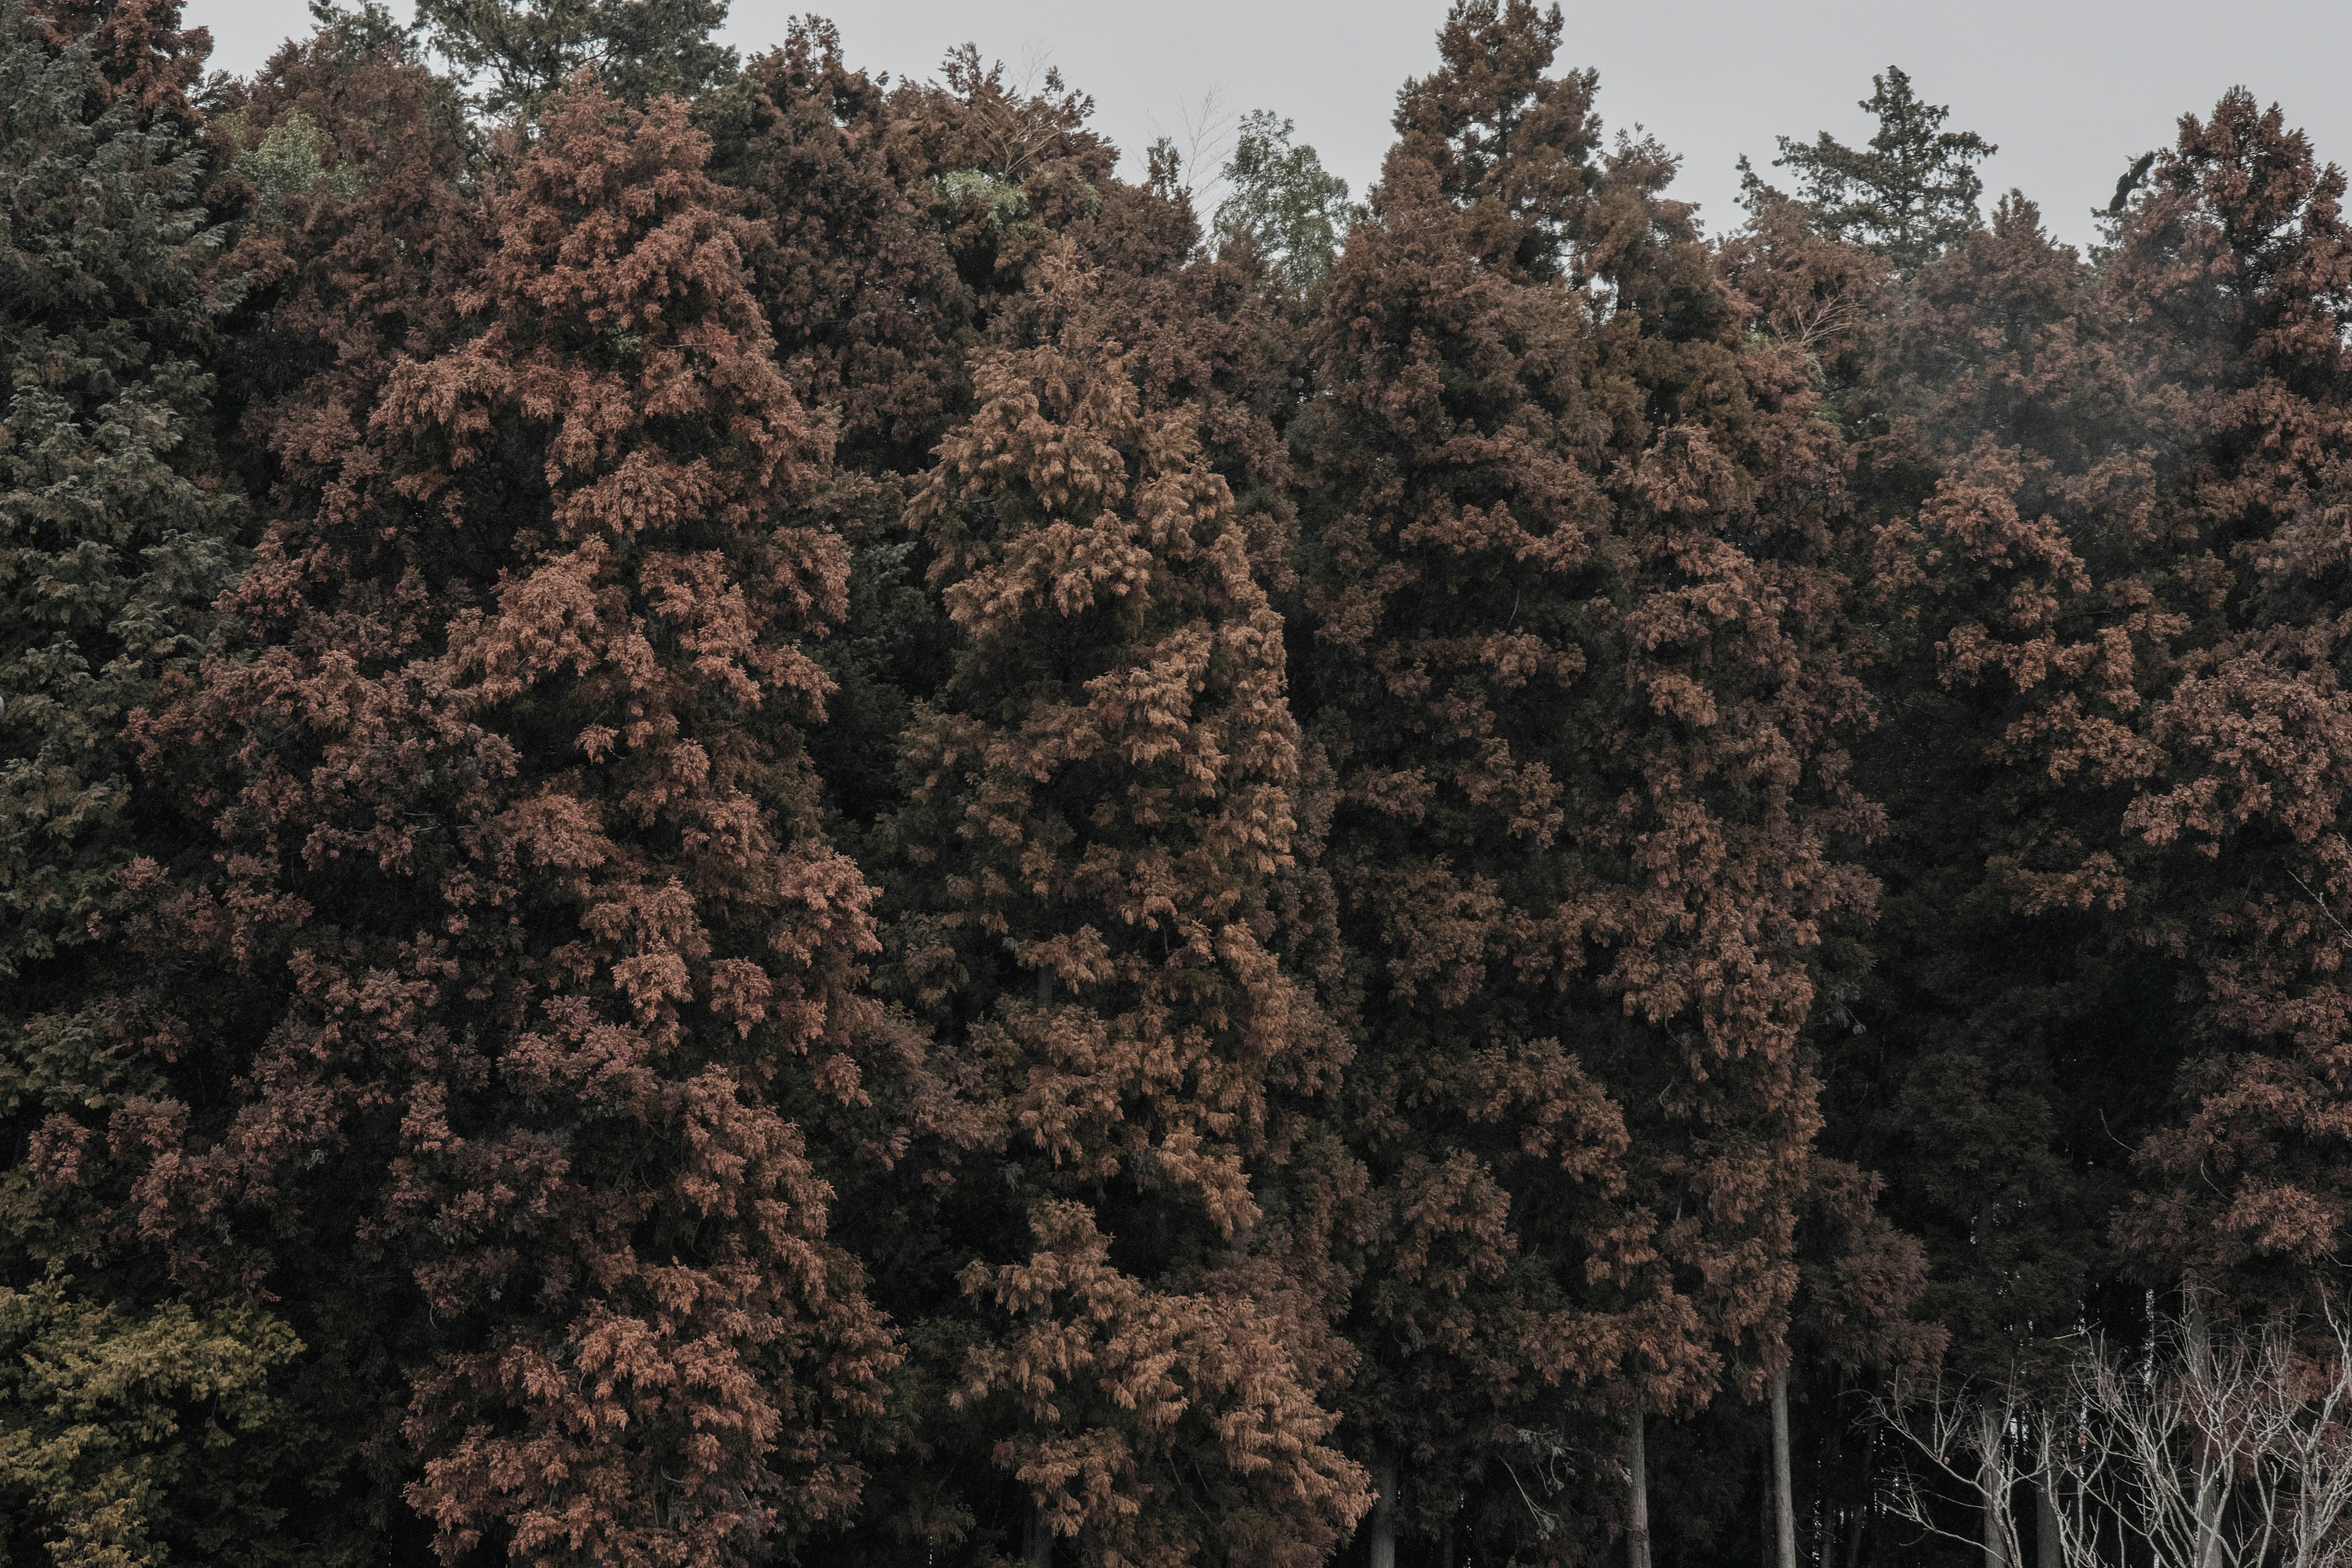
(745, 816)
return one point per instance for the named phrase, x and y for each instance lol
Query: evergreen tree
(1910, 194)
(133, 1425)
(521, 50)
(1090, 867)
(1575, 661)
(2239, 263)
(2005, 1006)
(509, 936)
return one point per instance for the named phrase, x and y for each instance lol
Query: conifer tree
(1453, 404)
(134, 1426)
(2239, 262)
(1088, 871)
(1574, 658)
(117, 535)
(527, 48)
(509, 937)
(345, 159)
(2009, 682)
(1910, 194)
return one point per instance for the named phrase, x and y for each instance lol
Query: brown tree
(515, 931)
(1089, 872)
(2239, 262)
(1575, 659)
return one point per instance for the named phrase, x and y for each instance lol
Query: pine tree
(479, 1017)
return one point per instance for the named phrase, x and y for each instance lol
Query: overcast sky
(2069, 88)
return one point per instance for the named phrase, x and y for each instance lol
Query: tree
(136, 1438)
(344, 159)
(527, 48)
(1089, 870)
(2012, 677)
(133, 1425)
(508, 934)
(1583, 857)
(1910, 194)
(117, 534)
(2238, 260)
(1279, 197)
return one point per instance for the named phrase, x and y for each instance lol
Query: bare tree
(2220, 1447)
(1978, 1442)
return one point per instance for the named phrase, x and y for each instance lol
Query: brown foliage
(518, 1018)
(1093, 856)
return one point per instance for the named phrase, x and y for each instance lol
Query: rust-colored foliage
(344, 155)
(2241, 264)
(1092, 859)
(508, 932)
(1574, 662)
(886, 860)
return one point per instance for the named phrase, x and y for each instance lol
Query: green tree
(114, 535)
(516, 52)
(143, 1439)
(1280, 197)
(1909, 192)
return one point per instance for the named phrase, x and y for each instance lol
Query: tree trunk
(2208, 1546)
(2208, 1520)
(1637, 1513)
(1860, 1522)
(1036, 1540)
(1996, 1517)
(2050, 1547)
(1784, 1492)
(1381, 1538)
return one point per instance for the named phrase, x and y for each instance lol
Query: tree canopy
(754, 814)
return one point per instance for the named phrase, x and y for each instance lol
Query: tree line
(745, 817)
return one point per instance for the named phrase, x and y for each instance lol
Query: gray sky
(2070, 90)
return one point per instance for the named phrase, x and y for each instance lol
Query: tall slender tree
(1574, 657)
(2239, 262)
(1089, 868)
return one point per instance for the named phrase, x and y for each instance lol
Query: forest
(746, 818)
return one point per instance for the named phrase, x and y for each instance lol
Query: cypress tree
(2238, 262)
(509, 935)
(1576, 656)
(1088, 875)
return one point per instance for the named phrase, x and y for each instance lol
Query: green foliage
(1292, 210)
(518, 51)
(1002, 203)
(130, 1439)
(1909, 193)
(286, 161)
(111, 538)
